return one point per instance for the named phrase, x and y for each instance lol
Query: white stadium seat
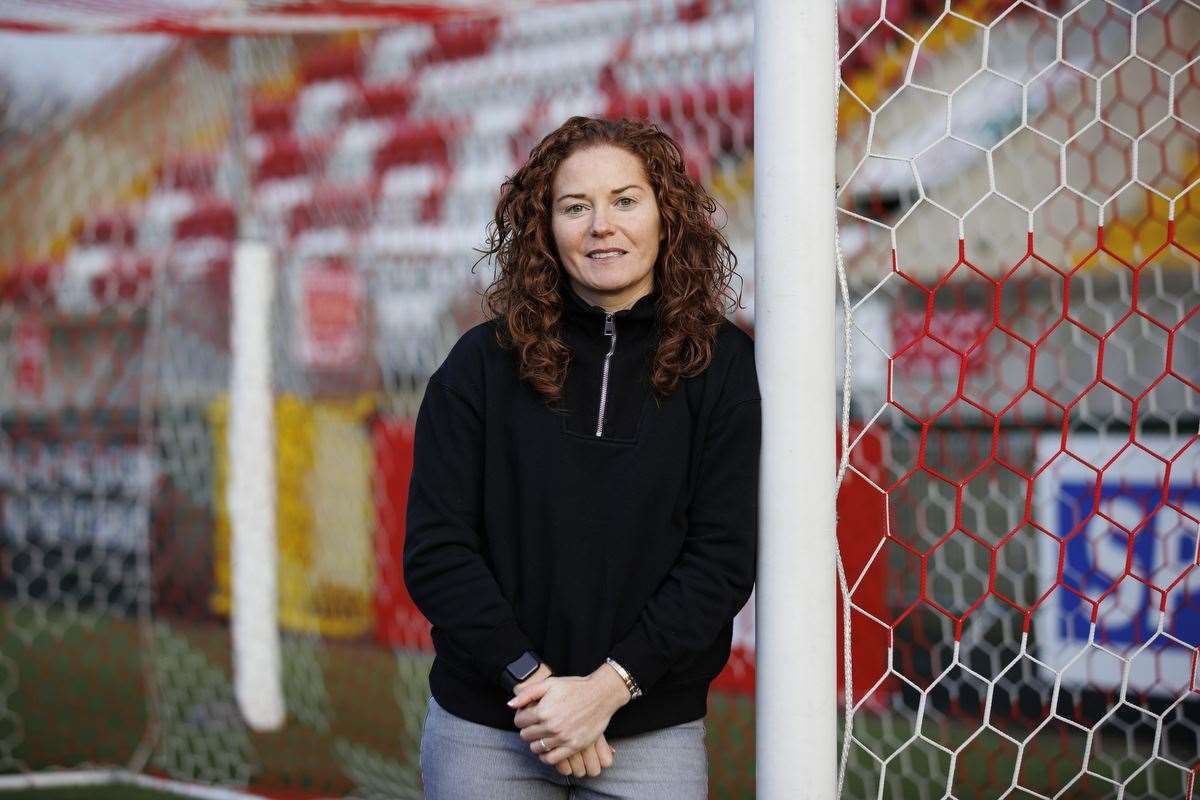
(320, 106)
(571, 21)
(353, 157)
(159, 214)
(318, 243)
(274, 199)
(395, 52)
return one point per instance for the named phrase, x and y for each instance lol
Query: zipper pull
(610, 326)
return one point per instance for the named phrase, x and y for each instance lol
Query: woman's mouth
(600, 255)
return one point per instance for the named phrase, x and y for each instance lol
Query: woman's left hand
(568, 713)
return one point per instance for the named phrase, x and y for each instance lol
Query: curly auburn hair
(694, 268)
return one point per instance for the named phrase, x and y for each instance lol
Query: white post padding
(794, 301)
(250, 493)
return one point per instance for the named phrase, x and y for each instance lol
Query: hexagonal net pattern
(368, 153)
(1019, 216)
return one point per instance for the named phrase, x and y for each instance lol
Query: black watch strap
(520, 670)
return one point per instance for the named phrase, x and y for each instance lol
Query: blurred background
(1019, 222)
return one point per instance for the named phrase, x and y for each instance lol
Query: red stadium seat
(693, 10)
(194, 173)
(338, 63)
(415, 144)
(286, 157)
(213, 217)
(333, 207)
(272, 116)
(385, 100)
(455, 40)
(29, 285)
(128, 280)
(113, 227)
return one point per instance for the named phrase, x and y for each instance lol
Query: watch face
(524, 666)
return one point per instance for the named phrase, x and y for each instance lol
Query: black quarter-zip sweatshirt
(615, 526)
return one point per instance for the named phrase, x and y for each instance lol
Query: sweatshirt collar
(575, 307)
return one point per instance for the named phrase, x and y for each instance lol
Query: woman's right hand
(589, 761)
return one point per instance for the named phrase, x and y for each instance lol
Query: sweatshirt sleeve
(444, 566)
(712, 578)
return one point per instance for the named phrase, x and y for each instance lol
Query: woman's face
(606, 225)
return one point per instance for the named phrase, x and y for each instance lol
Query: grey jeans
(462, 760)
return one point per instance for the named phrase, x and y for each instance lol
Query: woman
(582, 513)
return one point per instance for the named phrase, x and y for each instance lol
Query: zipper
(610, 329)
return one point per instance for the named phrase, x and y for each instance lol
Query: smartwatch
(520, 670)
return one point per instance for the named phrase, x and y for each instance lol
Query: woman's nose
(600, 224)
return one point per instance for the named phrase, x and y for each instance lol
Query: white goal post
(794, 321)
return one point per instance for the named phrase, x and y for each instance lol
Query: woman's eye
(626, 202)
(574, 208)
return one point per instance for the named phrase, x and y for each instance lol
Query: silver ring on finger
(545, 749)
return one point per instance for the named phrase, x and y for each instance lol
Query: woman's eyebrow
(613, 191)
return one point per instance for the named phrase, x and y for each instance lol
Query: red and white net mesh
(1019, 214)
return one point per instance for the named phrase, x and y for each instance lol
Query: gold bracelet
(635, 691)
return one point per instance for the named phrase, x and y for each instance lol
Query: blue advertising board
(1128, 536)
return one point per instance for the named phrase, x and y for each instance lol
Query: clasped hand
(569, 715)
